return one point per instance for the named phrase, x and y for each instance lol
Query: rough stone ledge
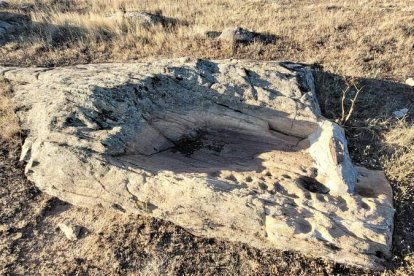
(229, 149)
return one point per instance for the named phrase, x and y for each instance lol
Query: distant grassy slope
(359, 38)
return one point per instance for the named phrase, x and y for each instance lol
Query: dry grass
(400, 167)
(359, 38)
(9, 126)
(370, 40)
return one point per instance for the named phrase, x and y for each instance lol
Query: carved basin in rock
(227, 149)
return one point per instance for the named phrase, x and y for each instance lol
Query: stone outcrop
(240, 35)
(230, 149)
(146, 19)
(237, 34)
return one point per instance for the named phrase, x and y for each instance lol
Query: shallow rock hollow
(229, 149)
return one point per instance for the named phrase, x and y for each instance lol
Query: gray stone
(410, 81)
(400, 113)
(242, 35)
(230, 149)
(70, 230)
(237, 34)
(145, 19)
(211, 34)
(4, 4)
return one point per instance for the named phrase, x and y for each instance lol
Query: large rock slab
(229, 149)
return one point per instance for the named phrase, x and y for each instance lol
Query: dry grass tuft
(9, 126)
(400, 167)
(355, 38)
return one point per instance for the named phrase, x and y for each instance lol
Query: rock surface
(237, 34)
(146, 19)
(242, 35)
(227, 149)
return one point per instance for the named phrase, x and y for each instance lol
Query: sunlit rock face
(230, 149)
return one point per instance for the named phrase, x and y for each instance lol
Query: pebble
(400, 113)
(410, 82)
(71, 231)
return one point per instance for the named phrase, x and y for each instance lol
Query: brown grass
(400, 167)
(371, 40)
(358, 38)
(9, 126)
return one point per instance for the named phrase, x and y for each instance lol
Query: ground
(363, 45)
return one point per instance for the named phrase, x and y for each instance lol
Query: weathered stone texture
(227, 149)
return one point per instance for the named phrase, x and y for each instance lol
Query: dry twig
(347, 114)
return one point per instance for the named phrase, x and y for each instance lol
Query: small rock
(400, 113)
(242, 35)
(145, 18)
(211, 34)
(4, 4)
(237, 34)
(410, 82)
(71, 231)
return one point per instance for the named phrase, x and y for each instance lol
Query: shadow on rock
(172, 123)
